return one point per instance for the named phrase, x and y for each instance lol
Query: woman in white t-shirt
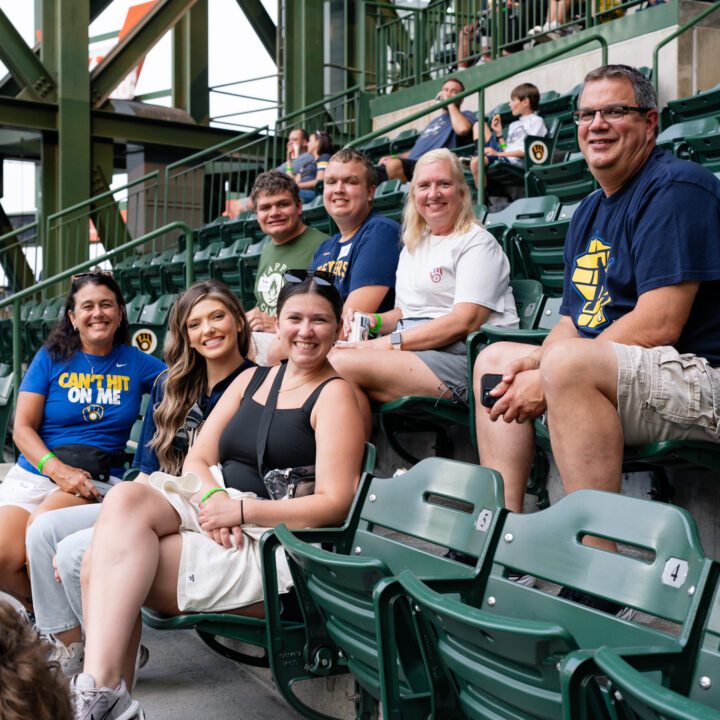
(452, 277)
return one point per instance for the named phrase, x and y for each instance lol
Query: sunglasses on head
(92, 273)
(319, 276)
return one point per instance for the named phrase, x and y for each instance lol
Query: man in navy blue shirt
(363, 256)
(451, 129)
(635, 356)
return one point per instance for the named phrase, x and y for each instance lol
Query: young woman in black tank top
(316, 420)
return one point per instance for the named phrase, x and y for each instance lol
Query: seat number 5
(675, 572)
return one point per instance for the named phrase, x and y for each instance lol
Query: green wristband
(44, 459)
(214, 490)
(288, 169)
(376, 329)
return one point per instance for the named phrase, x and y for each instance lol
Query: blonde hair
(413, 223)
(186, 374)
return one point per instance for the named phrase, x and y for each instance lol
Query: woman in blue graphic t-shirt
(76, 406)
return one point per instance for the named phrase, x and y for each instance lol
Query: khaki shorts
(663, 395)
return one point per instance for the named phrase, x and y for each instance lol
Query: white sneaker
(69, 657)
(143, 655)
(92, 703)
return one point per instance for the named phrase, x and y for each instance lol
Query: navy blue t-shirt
(145, 458)
(661, 228)
(440, 134)
(369, 257)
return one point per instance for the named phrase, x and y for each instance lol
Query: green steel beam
(14, 262)
(129, 51)
(262, 24)
(190, 64)
(303, 54)
(36, 82)
(96, 7)
(107, 218)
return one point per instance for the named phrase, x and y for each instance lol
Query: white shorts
(25, 489)
(213, 578)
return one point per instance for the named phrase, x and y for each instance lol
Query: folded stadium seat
(315, 215)
(132, 443)
(561, 108)
(704, 104)
(480, 212)
(705, 149)
(415, 413)
(132, 276)
(151, 276)
(134, 306)
(6, 331)
(404, 141)
(173, 272)
(570, 180)
(389, 197)
(212, 232)
(357, 619)
(248, 262)
(148, 332)
(630, 693)
(543, 208)
(291, 658)
(6, 407)
(120, 268)
(52, 312)
(225, 266)
(539, 244)
(673, 137)
(378, 147)
(510, 647)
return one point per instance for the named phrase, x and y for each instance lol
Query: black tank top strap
(261, 372)
(308, 405)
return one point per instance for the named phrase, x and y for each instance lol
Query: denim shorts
(663, 395)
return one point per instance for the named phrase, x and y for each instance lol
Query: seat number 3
(675, 572)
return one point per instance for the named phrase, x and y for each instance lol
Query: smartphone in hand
(488, 382)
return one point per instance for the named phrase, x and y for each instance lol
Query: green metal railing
(565, 47)
(405, 45)
(16, 299)
(672, 36)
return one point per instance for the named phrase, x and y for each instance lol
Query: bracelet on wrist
(214, 490)
(242, 513)
(44, 459)
(502, 145)
(378, 325)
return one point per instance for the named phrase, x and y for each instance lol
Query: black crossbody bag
(97, 462)
(285, 483)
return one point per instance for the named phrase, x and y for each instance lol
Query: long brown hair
(187, 370)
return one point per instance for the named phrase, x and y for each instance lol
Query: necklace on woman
(304, 382)
(92, 367)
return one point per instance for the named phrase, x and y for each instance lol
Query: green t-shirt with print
(276, 259)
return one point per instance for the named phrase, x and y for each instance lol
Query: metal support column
(190, 64)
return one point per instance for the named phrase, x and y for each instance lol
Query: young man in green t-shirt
(292, 245)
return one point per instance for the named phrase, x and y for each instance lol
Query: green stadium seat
(151, 280)
(388, 195)
(134, 307)
(210, 233)
(248, 263)
(673, 137)
(508, 646)
(629, 693)
(705, 149)
(570, 180)
(40, 320)
(378, 147)
(560, 109)
(355, 619)
(315, 215)
(173, 272)
(119, 270)
(288, 637)
(133, 276)
(225, 266)
(404, 141)
(704, 104)
(148, 333)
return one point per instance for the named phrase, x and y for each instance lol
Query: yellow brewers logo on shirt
(589, 278)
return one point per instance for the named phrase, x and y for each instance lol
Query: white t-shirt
(525, 125)
(460, 268)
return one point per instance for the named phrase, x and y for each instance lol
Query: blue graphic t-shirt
(90, 399)
(661, 228)
(369, 257)
(145, 458)
(440, 134)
